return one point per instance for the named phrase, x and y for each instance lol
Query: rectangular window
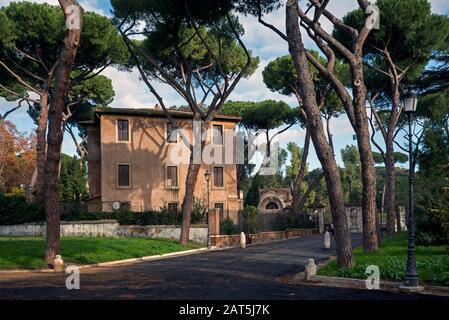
(172, 176)
(218, 177)
(123, 175)
(218, 134)
(172, 134)
(172, 206)
(123, 130)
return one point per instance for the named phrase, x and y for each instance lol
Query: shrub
(249, 217)
(92, 216)
(199, 211)
(14, 209)
(228, 227)
(429, 239)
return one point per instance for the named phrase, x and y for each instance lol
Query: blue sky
(130, 92)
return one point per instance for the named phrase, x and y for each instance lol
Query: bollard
(310, 269)
(242, 240)
(327, 240)
(58, 264)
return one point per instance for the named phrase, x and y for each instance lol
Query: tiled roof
(157, 113)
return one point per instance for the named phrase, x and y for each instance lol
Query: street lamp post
(207, 177)
(410, 101)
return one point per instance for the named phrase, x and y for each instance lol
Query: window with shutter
(123, 172)
(172, 134)
(123, 130)
(172, 176)
(218, 134)
(218, 177)
(172, 206)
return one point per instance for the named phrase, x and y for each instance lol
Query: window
(172, 206)
(172, 134)
(123, 130)
(172, 177)
(272, 206)
(218, 134)
(218, 177)
(123, 175)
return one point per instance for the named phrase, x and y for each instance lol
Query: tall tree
(280, 76)
(195, 47)
(307, 93)
(395, 55)
(262, 118)
(354, 102)
(72, 180)
(29, 49)
(73, 14)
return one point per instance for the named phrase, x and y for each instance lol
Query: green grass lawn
(28, 252)
(432, 262)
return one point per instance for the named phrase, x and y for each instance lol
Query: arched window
(272, 206)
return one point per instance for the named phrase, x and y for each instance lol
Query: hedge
(15, 210)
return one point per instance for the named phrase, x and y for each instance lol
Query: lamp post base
(411, 289)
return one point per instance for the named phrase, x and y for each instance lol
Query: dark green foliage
(199, 211)
(351, 175)
(252, 197)
(14, 209)
(432, 263)
(263, 115)
(72, 180)
(399, 157)
(152, 217)
(409, 30)
(228, 227)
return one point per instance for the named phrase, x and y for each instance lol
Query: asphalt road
(257, 272)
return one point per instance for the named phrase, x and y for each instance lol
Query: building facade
(136, 160)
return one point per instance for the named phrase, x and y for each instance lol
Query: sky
(132, 93)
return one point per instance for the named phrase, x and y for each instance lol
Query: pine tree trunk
(398, 218)
(390, 190)
(41, 147)
(322, 147)
(55, 134)
(370, 241)
(187, 203)
(192, 177)
(390, 160)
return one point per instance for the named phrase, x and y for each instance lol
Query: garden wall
(262, 237)
(104, 228)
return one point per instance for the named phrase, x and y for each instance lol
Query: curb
(361, 284)
(112, 263)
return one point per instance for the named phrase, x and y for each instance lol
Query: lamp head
(410, 101)
(207, 175)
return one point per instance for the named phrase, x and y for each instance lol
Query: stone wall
(225, 241)
(220, 241)
(166, 232)
(100, 228)
(104, 228)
